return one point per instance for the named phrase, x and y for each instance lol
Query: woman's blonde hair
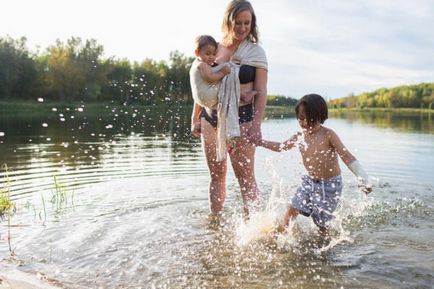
(231, 12)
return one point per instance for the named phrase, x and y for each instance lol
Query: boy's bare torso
(319, 156)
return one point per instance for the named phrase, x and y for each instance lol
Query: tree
(178, 76)
(74, 70)
(18, 70)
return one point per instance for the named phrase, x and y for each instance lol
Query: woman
(239, 32)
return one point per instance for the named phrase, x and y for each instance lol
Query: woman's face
(242, 25)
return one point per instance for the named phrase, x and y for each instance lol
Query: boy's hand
(195, 129)
(225, 70)
(366, 188)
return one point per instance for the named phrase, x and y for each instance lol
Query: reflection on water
(404, 121)
(140, 213)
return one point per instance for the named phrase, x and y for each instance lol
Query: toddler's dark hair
(204, 40)
(315, 108)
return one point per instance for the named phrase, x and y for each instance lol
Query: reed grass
(60, 196)
(7, 207)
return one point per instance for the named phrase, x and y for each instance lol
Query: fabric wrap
(204, 93)
(228, 128)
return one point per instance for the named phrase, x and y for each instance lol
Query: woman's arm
(260, 85)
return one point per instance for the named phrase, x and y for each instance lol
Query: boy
(320, 147)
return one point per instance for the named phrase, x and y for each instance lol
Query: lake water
(133, 211)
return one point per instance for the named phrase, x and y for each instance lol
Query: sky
(330, 47)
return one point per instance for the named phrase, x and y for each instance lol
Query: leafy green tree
(119, 75)
(281, 100)
(18, 70)
(150, 79)
(179, 79)
(74, 70)
(412, 96)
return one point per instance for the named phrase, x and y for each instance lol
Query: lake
(131, 205)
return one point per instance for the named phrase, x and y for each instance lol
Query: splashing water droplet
(45, 124)
(2, 133)
(40, 99)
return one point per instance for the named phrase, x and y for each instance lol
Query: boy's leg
(247, 96)
(290, 214)
(324, 232)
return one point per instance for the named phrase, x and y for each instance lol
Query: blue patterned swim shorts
(318, 199)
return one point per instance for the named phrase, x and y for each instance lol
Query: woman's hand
(195, 129)
(254, 133)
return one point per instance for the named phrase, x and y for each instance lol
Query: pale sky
(330, 47)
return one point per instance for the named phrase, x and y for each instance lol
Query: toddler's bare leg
(247, 96)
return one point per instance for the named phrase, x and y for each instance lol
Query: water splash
(260, 226)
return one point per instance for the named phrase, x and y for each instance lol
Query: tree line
(76, 70)
(413, 96)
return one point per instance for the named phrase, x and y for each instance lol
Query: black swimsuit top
(247, 74)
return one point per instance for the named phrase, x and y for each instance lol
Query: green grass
(60, 195)
(279, 111)
(34, 108)
(383, 109)
(6, 205)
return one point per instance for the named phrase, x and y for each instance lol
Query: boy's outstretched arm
(351, 162)
(279, 146)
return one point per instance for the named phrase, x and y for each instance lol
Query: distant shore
(37, 107)
(383, 109)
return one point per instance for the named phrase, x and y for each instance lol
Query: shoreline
(382, 109)
(13, 278)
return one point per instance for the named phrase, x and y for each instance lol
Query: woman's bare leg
(243, 164)
(217, 170)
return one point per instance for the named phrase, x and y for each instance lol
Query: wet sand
(12, 278)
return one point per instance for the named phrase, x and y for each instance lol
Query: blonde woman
(239, 45)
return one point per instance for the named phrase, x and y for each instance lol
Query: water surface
(136, 207)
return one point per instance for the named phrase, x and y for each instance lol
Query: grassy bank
(29, 108)
(382, 109)
(279, 111)
(14, 107)
(35, 108)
